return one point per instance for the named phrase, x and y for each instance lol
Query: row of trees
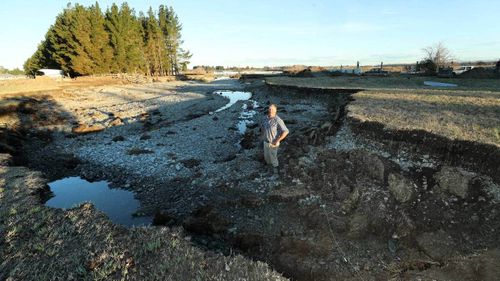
(15, 71)
(85, 41)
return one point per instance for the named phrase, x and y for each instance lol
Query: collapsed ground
(355, 201)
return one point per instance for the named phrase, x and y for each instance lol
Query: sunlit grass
(363, 82)
(469, 112)
(470, 116)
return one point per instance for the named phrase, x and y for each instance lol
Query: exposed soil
(351, 203)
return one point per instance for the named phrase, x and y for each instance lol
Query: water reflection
(247, 112)
(233, 96)
(117, 204)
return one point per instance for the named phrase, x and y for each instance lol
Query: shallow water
(233, 96)
(246, 114)
(438, 84)
(117, 204)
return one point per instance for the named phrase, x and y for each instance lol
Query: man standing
(274, 131)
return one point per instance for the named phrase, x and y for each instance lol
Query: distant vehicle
(462, 69)
(376, 72)
(53, 73)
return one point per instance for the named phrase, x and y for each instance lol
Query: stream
(247, 112)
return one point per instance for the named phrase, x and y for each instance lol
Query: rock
(215, 118)
(178, 166)
(116, 122)
(454, 180)
(400, 187)
(190, 163)
(368, 164)
(118, 138)
(358, 226)
(437, 245)
(392, 245)
(137, 151)
(352, 200)
(86, 129)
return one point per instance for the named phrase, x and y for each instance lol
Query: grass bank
(366, 82)
(41, 243)
(469, 112)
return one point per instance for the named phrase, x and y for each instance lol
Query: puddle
(247, 112)
(117, 204)
(438, 84)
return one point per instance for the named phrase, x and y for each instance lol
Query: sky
(286, 32)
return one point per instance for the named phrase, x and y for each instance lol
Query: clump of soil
(138, 151)
(480, 72)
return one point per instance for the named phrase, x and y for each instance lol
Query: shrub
(428, 66)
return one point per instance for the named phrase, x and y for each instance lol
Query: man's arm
(284, 132)
(281, 137)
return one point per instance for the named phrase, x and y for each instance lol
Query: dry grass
(458, 115)
(41, 243)
(380, 83)
(469, 112)
(206, 78)
(46, 84)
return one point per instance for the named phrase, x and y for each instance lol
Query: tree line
(85, 41)
(15, 71)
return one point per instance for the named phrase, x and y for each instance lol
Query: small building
(53, 73)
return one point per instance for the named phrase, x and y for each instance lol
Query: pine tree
(183, 58)
(84, 41)
(171, 29)
(153, 42)
(40, 59)
(125, 39)
(98, 49)
(80, 55)
(114, 27)
(59, 41)
(165, 29)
